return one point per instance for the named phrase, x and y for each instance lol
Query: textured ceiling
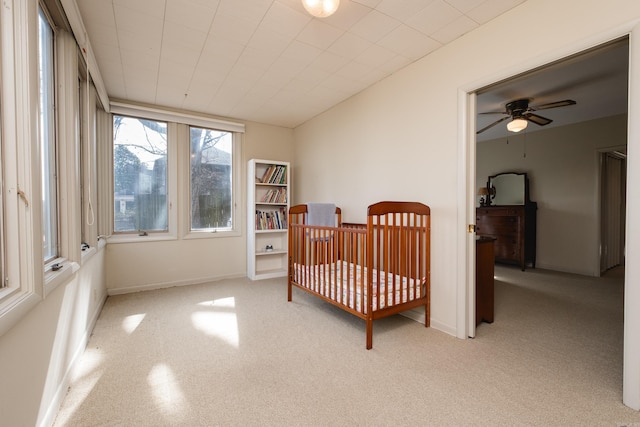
(597, 80)
(265, 60)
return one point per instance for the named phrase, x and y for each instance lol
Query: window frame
(28, 278)
(67, 142)
(190, 231)
(149, 235)
(3, 261)
(87, 130)
(104, 174)
(48, 141)
(236, 182)
(18, 77)
(178, 170)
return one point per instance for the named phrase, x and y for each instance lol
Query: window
(20, 290)
(2, 236)
(103, 149)
(175, 175)
(81, 119)
(37, 119)
(211, 163)
(46, 135)
(86, 129)
(140, 175)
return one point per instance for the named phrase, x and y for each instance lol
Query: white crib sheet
(349, 279)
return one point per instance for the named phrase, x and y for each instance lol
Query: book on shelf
(271, 220)
(267, 174)
(275, 174)
(275, 195)
(279, 175)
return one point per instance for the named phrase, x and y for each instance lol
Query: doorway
(577, 109)
(606, 227)
(613, 202)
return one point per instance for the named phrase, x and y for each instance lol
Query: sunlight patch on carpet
(220, 322)
(131, 323)
(167, 393)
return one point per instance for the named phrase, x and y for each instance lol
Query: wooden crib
(371, 270)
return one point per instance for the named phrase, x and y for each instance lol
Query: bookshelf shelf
(268, 206)
(267, 253)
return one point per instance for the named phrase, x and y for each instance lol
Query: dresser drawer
(507, 248)
(495, 225)
(500, 211)
(507, 224)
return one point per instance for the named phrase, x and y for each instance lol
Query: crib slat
(380, 253)
(359, 275)
(332, 272)
(415, 253)
(388, 250)
(346, 275)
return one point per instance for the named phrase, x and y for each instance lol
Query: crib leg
(369, 334)
(427, 316)
(289, 290)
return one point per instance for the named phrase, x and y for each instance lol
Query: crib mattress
(343, 282)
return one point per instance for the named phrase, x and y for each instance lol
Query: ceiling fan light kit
(321, 8)
(516, 125)
(521, 113)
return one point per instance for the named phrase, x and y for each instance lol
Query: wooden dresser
(514, 228)
(484, 279)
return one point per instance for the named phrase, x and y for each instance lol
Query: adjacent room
(152, 151)
(570, 163)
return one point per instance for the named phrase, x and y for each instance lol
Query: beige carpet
(235, 352)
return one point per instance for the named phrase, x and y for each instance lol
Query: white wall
(182, 262)
(401, 139)
(562, 166)
(37, 355)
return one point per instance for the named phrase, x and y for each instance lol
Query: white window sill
(135, 238)
(53, 279)
(102, 242)
(211, 234)
(87, 254)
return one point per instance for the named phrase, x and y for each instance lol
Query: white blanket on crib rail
(343, 282)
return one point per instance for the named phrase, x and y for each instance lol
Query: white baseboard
(562, 269)
(447, 329)
(417, 314)
(163, 285)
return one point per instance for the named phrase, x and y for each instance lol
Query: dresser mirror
(508, 188)
(509, 218)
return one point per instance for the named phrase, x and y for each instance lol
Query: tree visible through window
(140, 174)
(211, 195)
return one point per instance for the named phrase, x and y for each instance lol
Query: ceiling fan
(520, 113)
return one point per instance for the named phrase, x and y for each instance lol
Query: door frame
(604, 179)
(465, 286)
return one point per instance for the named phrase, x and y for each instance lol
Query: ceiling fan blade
(539, 120)
(492, 124)
(555, 104)
(494, 112)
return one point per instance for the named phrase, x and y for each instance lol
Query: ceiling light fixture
(517, 124)
(321, 8)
